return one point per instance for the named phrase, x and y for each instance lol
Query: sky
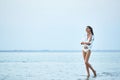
(58, 24)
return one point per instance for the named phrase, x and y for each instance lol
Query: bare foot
(94, 73)
(87, 78)
(88, 75)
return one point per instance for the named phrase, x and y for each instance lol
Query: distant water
(104, 57)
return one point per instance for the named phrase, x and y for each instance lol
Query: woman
(86, 49)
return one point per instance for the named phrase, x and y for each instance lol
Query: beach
(57, 66)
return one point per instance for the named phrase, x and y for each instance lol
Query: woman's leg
(94, 72)
(86, 63)
(85, 60)
(89, 52)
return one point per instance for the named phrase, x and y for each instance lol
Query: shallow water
(57, 66)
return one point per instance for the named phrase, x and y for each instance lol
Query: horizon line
(57, 50)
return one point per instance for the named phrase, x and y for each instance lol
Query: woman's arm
(89, 41)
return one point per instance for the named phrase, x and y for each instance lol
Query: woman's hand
(85, 43)
(82, 43)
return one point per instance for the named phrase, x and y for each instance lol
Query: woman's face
(88, 30)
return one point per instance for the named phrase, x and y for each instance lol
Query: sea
(58, 65)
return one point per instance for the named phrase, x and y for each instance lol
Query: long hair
(91, 29)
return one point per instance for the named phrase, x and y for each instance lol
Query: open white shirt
(86, 47)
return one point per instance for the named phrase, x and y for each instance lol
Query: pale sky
(58, 24)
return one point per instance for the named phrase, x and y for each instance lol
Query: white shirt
(86, 47)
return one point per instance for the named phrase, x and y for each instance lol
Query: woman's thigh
(84, 54)
(87, 56)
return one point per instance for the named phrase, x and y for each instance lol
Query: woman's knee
(86, 62)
